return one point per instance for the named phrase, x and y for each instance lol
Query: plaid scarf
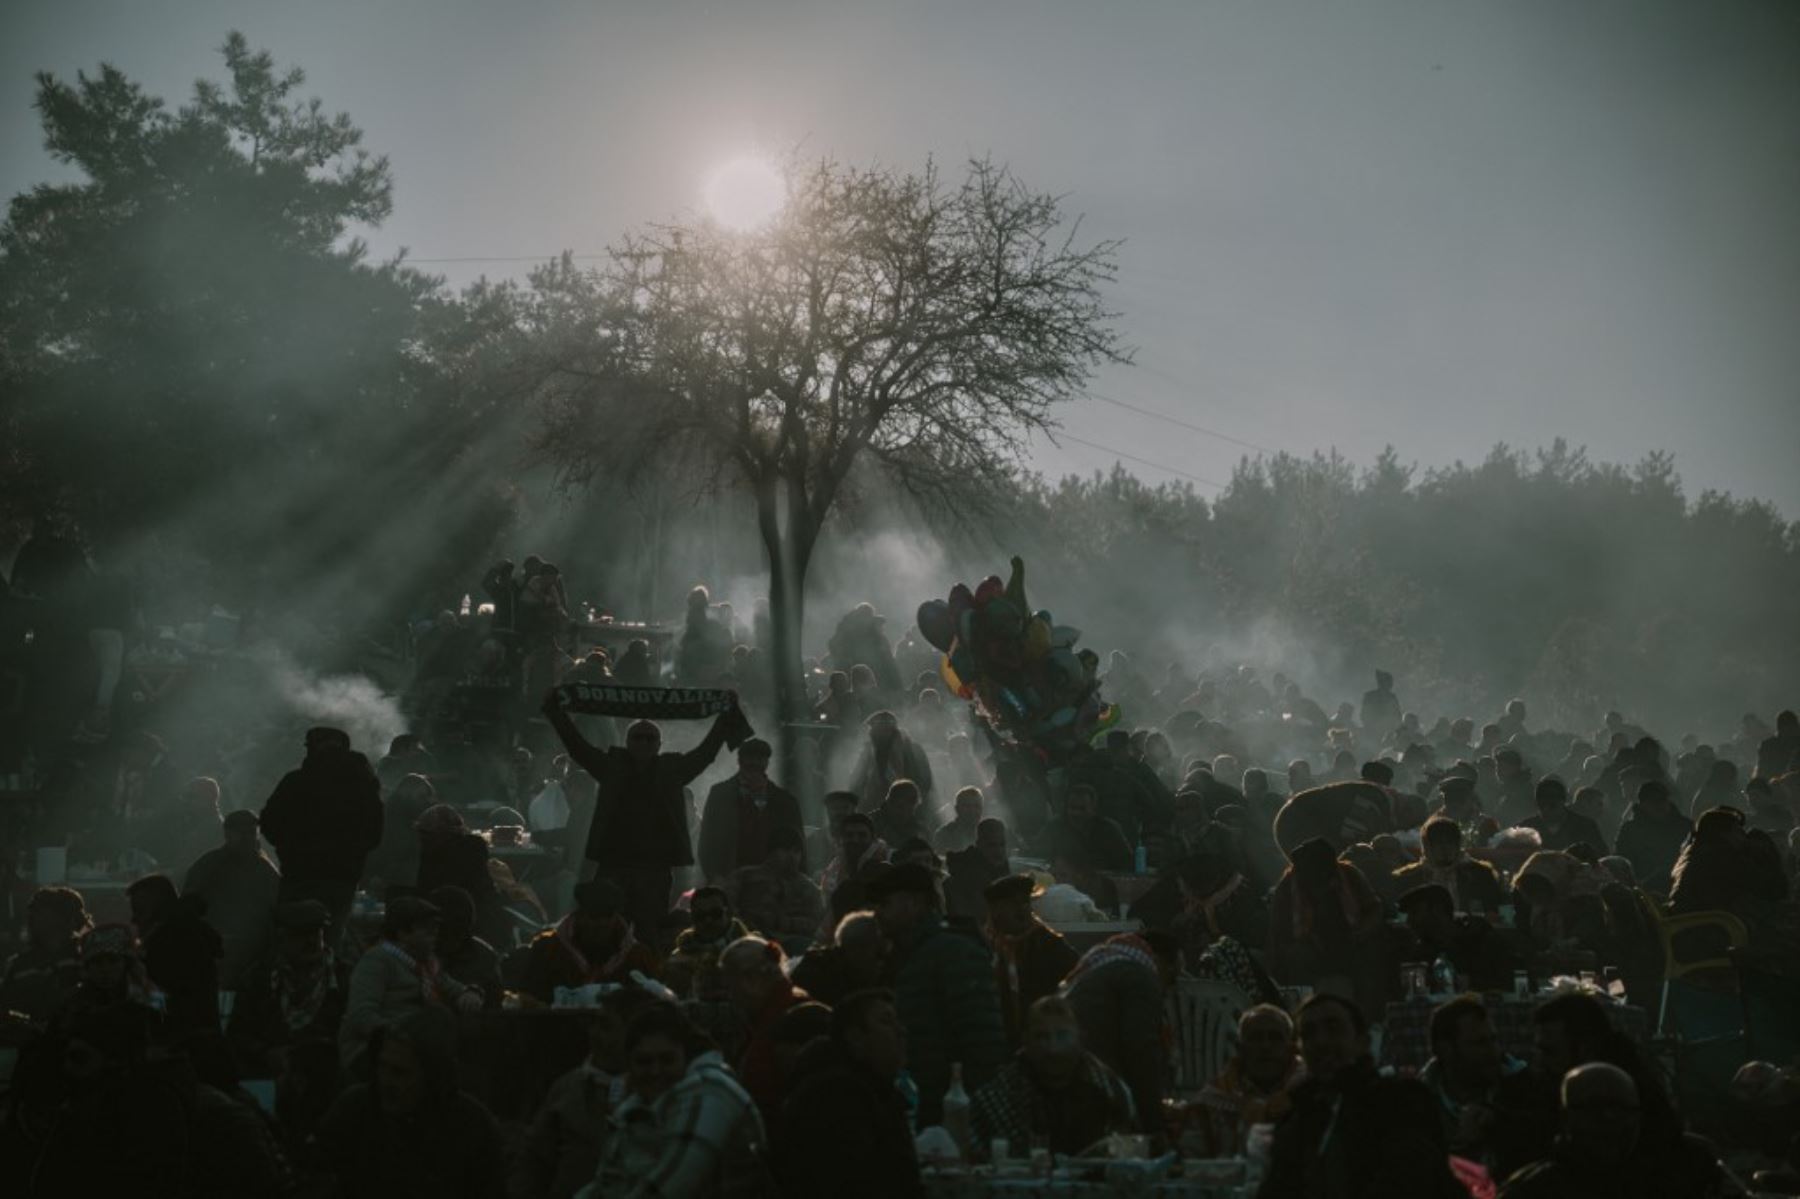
(426, 971)
(1123, 947)
(302, 995)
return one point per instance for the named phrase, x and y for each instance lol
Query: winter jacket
(700, 1138)
(844, 1131)
(944, 990)
(1360, 1136)
(1651, 838)
(1025, 970)
(387, 987)
(239, 892)
(324, 818)
(561, 1149)
(719, 826)
(640, 813)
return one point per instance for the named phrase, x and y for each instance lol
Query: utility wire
(1173, 420)
(1061, 436)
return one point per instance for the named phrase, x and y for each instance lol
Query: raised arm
(585, 755)
(693, 763)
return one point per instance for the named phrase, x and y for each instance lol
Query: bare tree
(882, 320)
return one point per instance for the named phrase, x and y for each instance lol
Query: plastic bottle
(464, 610)
(1140, 859)
(956, 1110)
(1443, 976)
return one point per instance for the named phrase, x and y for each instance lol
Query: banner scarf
(657, 703)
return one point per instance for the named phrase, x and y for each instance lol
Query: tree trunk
(788, 558)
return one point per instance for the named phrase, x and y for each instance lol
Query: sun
(745, 193)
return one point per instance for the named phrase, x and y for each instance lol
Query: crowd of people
(788, 965)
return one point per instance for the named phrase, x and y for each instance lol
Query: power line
(1061, 436)
(508, 258)
(1163, 416)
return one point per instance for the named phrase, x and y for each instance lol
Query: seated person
(1082, 831)
(775, 898)
(1256, 1087)
(1352, 1131)
(970, 870)
(40, 978)
(855, 960)
(1465, 1073)
(592, 944)
(1603, 1149)
(1323, 921)
(693, 960)
(411, 1130)
(1479, 952)
(1557, 825)
(398, 977)
(464, 956)
(1472, 885)
(293, 997)
(561, 1147)
(1052, 1089)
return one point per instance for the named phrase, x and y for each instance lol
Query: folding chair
(1206, 1014)
(1699, 943)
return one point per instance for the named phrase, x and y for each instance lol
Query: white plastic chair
(1206, 1014)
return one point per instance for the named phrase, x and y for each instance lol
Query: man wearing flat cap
(943, 988)
(1030, 957)
(1479, 952)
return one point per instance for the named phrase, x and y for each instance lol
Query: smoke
(354, 703)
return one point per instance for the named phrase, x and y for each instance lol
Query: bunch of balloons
(1019, 667)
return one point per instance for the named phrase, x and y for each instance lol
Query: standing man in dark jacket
(639, 833)
(740, 812)
(238, 885)
(944, 987)
(1031, 958)
(1352, 1133)
(843, 1129)
(323, 820)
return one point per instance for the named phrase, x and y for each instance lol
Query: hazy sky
(1439, 224)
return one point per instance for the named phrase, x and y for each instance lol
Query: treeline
(202, 367)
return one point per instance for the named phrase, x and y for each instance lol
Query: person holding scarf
(399, 976)
(639, 832)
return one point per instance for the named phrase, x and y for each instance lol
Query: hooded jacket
(324, 818)
(844, 1131)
